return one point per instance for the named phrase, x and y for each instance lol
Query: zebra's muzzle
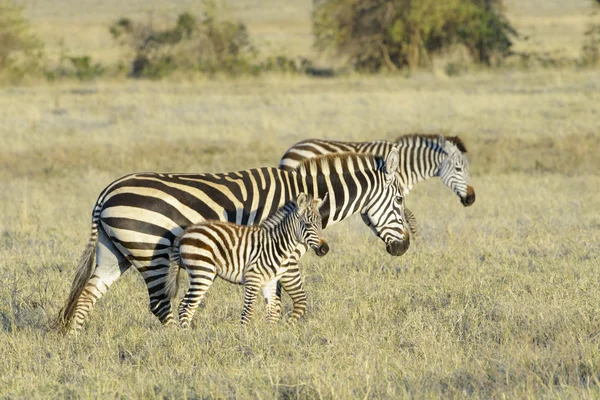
(469, 199)
(397, 248)
(322, 249)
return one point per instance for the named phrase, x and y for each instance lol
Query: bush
(210, 45)
(591, 46)
(395, 33)
(20, 50)
(80, 67)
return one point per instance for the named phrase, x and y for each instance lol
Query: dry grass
(497, 299)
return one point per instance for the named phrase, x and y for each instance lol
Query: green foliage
(78, 67)
(395, 33)
(20, 50)
(84, 69)
(210, 44)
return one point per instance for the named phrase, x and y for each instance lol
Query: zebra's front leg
(201, 279)
(291, 282)
(251, 288)
(272, 294)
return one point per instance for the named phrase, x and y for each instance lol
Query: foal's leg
(291, 282)
(252, 285)
(273, 307)
(201, 278)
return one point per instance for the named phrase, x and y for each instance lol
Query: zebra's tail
(85, 268)
(172, 284)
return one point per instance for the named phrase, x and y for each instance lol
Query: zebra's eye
(399, 199)
(458, 169)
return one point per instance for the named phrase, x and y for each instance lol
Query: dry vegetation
(499, 299)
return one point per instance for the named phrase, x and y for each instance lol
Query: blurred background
(154, 39)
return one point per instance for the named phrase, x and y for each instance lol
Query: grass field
(498, 300)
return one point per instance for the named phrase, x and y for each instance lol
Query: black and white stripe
(421, 157)
(137, 217)
(248, 255)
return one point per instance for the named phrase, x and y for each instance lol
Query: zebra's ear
(392, 161)
(319, 202)
(302, 202)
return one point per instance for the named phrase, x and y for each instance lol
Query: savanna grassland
(501, 299)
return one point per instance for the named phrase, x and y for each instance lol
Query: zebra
(422, 156)
(250, 255)
(136, 218)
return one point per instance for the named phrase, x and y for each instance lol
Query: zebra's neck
(350, 182)
(277, 234)
(420, 157)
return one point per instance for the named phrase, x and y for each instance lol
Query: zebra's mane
(458, 143)
(434, 138)
(278, 216)
(326, 162)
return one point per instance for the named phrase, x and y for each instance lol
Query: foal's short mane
(433, 137)
(278, 216)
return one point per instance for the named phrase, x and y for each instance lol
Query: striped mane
(458, 143)
(277, 217)
(434, 139)
(327, 162)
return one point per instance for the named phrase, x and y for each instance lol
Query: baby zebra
(248, 255)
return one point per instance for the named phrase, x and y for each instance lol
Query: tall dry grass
(493, 301)
(499, 299)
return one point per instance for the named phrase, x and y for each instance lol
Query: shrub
(20, 50)
(591, 45)
(211, 44)
(397, 33)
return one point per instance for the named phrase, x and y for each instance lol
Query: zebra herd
(253, 226)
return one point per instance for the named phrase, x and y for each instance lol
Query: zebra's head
(310, 228)
(385, 214)
(454, 170)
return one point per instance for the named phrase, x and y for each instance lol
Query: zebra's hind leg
(201, 278)
(155, 276)
(110, 265)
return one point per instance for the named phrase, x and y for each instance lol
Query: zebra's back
(146, 211)
(310, 148)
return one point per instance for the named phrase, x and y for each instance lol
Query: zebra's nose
(322, 249)
(469, 199)
(397, 248)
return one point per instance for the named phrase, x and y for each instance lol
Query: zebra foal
(248, 255)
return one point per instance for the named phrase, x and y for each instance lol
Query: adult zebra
(422, 157)
(137, 217)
